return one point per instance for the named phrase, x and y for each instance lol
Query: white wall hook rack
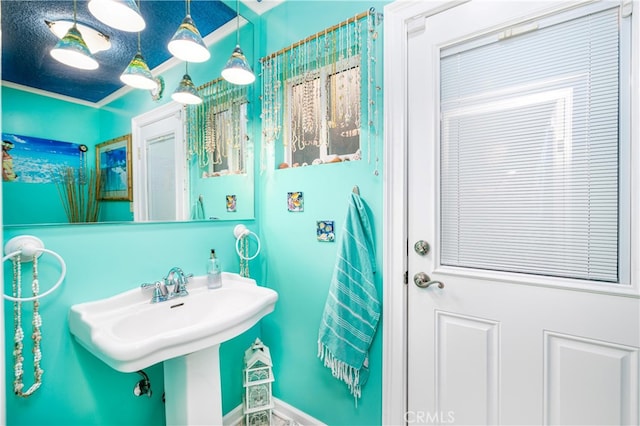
(29, 248)
(240, 231)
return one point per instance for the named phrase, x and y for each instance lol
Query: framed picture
(113, 160)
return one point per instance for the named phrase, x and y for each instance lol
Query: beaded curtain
(351, 41)
(215, 127)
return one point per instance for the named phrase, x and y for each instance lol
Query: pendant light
(94, 39)
(238, 71)
(120, 14)
(186, 93)
(137, 73)
(187, 44)
(72, 50)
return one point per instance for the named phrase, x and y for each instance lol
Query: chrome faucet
(176, 280)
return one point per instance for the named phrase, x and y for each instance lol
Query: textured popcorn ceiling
(26, 42)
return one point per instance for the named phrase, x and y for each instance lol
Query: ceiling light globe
(95, 40)
(237, 70)
(138, 82)
(186, 98)
(187, 44)
(138, 75)
(186, 93)
(123, 15)
(71, 50)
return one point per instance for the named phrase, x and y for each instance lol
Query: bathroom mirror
(198, 193)
(210, 193)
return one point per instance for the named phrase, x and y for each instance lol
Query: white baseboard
(295, 416)
(287, 415)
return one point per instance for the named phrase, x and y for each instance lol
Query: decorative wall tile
(325, 231)
(231, 203)
(295, 201)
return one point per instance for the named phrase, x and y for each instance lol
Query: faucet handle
(159, 291)
(180, 287)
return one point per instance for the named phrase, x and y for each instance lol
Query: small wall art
(113, 160)
(325, 231)
(231, 203)
(295, 201)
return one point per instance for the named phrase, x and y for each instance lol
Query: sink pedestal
(192, 388)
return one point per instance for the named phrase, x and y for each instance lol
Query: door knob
(421, 247)
(422, 280)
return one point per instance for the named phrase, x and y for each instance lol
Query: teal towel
(352, 309)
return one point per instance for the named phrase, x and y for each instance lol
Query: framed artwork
(113, 160)
(34, 160)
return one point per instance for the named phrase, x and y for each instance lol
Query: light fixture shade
(94, 39)
(73, 51)
(186, 93)
(138, 75)
(237, 71)
(187, 44)
(120, 14)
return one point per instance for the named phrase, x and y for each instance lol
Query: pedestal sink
(129, 333)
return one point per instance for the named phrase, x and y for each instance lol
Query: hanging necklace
(244, 250)
(18, 358)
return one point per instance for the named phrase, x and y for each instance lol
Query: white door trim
(400, 18)
(137, 123)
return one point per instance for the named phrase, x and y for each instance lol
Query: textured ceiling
(26, 42)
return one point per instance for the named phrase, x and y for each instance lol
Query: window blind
(529, 151)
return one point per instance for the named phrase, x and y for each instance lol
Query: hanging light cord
(188, 8)
(238, 22)
(74, 13)
(139, 49)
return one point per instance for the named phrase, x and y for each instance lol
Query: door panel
(467, 385)
(496, 347)
(589, 382)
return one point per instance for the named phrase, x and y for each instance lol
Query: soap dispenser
(214, 271)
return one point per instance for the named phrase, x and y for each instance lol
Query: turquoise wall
(295, 263)
(102, 260)
(29, 114)
(109, 258)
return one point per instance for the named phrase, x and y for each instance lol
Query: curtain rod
(318, 34)
(209, 83)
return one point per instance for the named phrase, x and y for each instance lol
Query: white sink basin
(129, 333)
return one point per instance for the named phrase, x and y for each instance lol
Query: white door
(159, 170)
(161, 174)
(501, 343)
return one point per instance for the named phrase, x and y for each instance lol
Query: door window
(533, 149)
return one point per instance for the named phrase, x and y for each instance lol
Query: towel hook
(240, 231)
(30, 247)
(356, 190)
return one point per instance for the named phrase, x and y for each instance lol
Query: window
(324, 111)
(320, 96)
(226, 152)
(217, 129)
(532, 152)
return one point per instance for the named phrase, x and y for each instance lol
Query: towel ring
(241, 231)
(31, 247)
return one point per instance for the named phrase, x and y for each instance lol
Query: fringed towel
(352, 309)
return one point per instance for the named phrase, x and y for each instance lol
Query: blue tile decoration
(295, 201)
(325, 231)
(231, 203)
